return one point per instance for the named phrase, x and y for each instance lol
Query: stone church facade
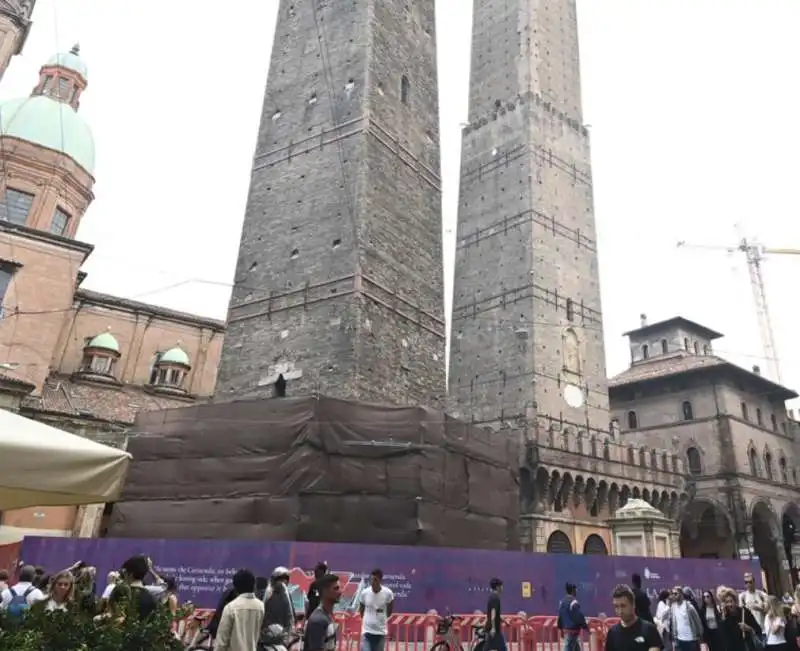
(74, 358)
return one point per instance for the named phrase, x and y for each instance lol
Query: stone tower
(15, 22)
(527, 339)
(338, 285)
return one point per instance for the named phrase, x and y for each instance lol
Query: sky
(690, 109)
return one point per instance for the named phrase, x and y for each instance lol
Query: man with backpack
(17, 599)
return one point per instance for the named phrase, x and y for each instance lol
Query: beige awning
(45, 466)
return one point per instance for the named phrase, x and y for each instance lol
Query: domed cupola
(49, 117)
(169, 371)
(100, 356)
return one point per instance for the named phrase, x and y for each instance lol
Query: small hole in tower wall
(295, 254)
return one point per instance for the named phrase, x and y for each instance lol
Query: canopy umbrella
(45, 466)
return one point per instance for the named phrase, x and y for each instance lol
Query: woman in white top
(663, 618)
(61, 593)
(775, 626)
(711, 617)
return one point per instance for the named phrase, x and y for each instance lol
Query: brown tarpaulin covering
(320, 469)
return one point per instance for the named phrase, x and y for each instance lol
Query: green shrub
(77, 631)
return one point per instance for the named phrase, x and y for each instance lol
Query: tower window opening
(696, 348)
(759, 417)
(59, 223)
(633, 421)
(405, 89)
(745, 413)
(15, 206)
(774, 422)
(570, 310)
(664, 346)
(645, 352)
(688, 412)
(279, 388)
(686, 343)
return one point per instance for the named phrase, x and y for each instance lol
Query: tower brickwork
(14, 26)
(527, 340)
(338, 284)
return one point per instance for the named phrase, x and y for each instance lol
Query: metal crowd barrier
(409, 632)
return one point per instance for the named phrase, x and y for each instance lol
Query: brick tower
(15, 23)
(338, 285)
(527, 340)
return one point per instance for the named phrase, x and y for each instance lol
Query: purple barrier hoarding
(422, 578)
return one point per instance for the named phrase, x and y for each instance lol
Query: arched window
(595, 546)
(705, 349)
(653, 460)
(696, 348)
(768, 465)
(642, 458)
(631, 456)
(686, 343)
(752, 457)
(693, 461)
(773, 422)
(405, 89)
(593, 445)
(664, 346)
(745, 413)
(759, 417)
(645, 352)
(688, 414)
(558, 543)
(572, 354)
(633, 422)
(783, 469)
(664, 462)
(606, 450)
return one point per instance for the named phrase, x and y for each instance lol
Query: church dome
(45, 121)
(175, 356)
(105, 341)
(71, 61)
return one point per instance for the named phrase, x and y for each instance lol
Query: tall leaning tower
(15, 22)
(527, 339)
(338, 285)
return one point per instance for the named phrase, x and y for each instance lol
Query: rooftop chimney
(757, 369)
(643, 320)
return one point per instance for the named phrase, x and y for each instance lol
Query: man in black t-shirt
(495, 640)
(632, 633)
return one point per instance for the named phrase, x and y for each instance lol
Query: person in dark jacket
(229, 595)
(738, 623)
(278, 607)
(571, 620)
(711, 616)
(641, 601)
(313, 598)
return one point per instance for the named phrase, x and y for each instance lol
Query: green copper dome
(71, 61)
(106, 341)
(175, 356)
(49, 123)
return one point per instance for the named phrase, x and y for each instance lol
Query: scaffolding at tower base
(320, 469)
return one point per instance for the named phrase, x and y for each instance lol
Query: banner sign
(422, 578)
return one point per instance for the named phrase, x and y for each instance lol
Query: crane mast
(754, 258)
(754, 254)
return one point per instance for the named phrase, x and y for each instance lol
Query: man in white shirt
(755, 600)
(240, 625)
(375, 605)
(686, 625)
(24, 587)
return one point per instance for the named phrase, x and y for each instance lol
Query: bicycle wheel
(442, 645)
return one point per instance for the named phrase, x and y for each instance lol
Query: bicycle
(448, 640)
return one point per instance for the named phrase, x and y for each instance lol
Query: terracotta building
(731, 428)
(80, 360)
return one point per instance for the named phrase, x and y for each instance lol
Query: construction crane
(754, 254)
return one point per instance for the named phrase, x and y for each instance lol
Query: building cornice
(37, 235)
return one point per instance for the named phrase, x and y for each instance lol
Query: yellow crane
(754, 254)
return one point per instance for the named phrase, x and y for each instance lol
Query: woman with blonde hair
(739, 627)
(60, 594)
(775, 625)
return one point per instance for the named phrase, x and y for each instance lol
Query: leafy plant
(80, 631)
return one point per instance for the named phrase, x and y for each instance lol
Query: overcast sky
(691, 106)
